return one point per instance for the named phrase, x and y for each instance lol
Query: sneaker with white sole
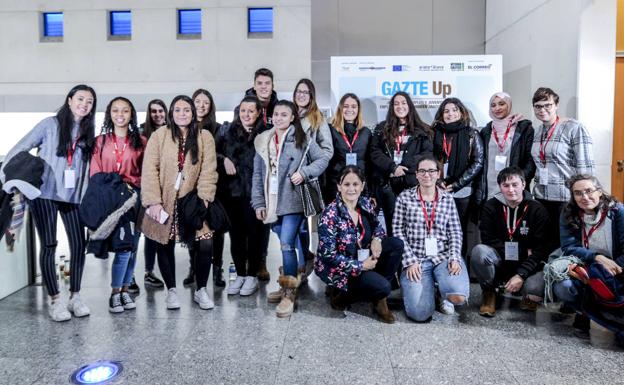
(58, 311)
(172, 301)
(250, 286)
(127, 301)
(203, 299)
(77, 307)
(235, 286)
(447, 307)
(114, 303)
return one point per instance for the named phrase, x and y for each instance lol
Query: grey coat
(288, 200)
(322, 137)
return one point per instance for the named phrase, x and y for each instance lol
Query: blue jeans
(122, 270)
(419, 296)
(303, 242)
(287, 229)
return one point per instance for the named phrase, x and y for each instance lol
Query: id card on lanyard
(181, 160)
(431, 243)
(351, 157)
(511, 247)
(586, 235)
(500, 161)
(398, 154)
(119, 154)
(542, 170)
(446, 147)
(69, 176)
(362, 253)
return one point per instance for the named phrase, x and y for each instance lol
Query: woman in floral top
(355, 258)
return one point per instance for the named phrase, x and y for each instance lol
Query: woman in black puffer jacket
(396, 144)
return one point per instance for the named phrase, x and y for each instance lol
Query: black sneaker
(217, 277)
(114, 303)
(152, 280)
(134, 288)
(126, 301)
(190, 278)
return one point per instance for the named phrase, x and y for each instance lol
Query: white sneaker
(250, 286)
(203, 299)
(78, 307)
(172, 300)
(235, 287)
(447, 307)
(58, 311)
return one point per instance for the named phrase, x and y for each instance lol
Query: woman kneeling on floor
(355, 258)
(426, 220)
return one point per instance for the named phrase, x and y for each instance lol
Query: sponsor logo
(400, 68)
(480, 67)
(430, 68)
(371, 68)
(457, 66)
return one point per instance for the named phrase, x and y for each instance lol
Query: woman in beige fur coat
(179, 159)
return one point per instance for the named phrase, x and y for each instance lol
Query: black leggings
(218, 242)
(201, 255)
(246, 236)
(554, 209)
(45, 212)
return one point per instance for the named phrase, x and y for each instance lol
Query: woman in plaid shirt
(426, 220)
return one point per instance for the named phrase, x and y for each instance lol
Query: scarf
(458, 137)
(500, 125)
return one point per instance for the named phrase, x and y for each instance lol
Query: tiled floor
(241, 341)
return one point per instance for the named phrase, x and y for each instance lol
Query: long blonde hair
(338, 119)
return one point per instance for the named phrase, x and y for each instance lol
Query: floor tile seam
(281, 355)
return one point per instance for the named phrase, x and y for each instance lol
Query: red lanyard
(70, 154)
(350, 145)
(512, 230)
(542, 149)
(361, 238)
(276, 144)
(592, 229)
(119, 155)
(429, 221)
(446, 147)
(181, 157)
(501, 147)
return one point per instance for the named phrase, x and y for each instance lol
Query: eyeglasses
(302, 92)
(431, 172)
(545, 106)
(582, 193)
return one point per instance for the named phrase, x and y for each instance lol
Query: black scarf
(458, 136)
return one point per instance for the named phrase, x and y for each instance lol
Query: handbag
(217, 218)
(310, 192)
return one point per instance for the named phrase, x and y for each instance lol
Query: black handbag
(217, 218)
(310, 192)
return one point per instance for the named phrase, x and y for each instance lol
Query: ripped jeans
(287, 229)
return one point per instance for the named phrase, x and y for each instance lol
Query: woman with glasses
(396, 144)
(507, 142)
(426, 220)
(561, 148)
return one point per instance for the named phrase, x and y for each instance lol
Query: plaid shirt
(568, 152)
(409, 225)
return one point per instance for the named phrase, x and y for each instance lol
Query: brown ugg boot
(289, 285)
(276, 296)
(488, 304)
(263, 274)
(381, 308)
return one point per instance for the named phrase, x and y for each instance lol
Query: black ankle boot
(217, 276)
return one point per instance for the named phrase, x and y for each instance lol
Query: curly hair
(571, 211)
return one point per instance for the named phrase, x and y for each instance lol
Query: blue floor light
(99, 372)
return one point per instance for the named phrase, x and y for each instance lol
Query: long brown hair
(338, 119)
(300, 135)
(208, 122)
(149, 126)
(313, 114)
(413, 124)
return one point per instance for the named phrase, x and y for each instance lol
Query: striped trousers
(45, 213)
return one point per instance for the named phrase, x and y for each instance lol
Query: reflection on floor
(241, 341)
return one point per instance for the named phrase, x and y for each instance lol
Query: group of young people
(173, 178)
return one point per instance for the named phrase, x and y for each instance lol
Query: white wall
(568, 46)
(34, 75)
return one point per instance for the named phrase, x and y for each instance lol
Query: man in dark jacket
(263, 89)
(514, 241)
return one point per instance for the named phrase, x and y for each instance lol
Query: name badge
(500, 162)
(398, 157)
(363, 254)
(431, 246)
(542, 173)
(178, 181)
(445, 170)
(273, 184)
(69, 178)
(511, 251)
(351, 159)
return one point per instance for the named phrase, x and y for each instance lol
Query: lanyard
(587, 235)
(542, 149)
(511, 230)
(446, 147)
(361, 238)
(501, 146)
(429, 221)
(350, 145)
(119, 155)
(276, 144)
(399, 141)
(70, 154)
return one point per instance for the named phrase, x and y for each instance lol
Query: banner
(427, 79)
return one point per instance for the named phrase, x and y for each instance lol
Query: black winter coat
(519, 156)
(240, 149)
(382, 159)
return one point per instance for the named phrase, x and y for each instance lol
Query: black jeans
(246, 236)
(386, 199)
(374, 285)
(149, 248)
(201, 255)
(554, 209)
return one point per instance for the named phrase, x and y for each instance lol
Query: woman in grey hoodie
(279, 152)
